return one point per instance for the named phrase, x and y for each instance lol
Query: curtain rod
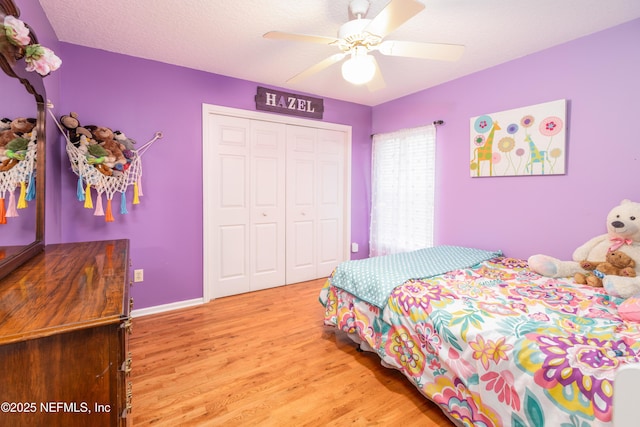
(435, 123)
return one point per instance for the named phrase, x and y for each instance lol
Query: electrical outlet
(354, 247)
(138, 275)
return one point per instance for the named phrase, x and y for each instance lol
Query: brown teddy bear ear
(69, 122)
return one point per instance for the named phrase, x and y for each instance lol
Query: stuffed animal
(124, 140)
(17, 128)
(5, 124)
(617, 264)
(623, 234)
(106, 139)
(75, 131)
(98, 157)
(16, 150)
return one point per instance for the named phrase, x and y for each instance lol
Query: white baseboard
(166, 307)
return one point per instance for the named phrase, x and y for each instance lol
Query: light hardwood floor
(264, 359)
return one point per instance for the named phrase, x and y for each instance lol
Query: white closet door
(249, 213)
(315, 202)
(330, 200)
(301, 204)
(230, 137)
(268, 145)
(275, 201)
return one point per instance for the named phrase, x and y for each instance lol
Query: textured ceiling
(225, 36)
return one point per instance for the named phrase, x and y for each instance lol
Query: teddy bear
(623, 234)
(105, 137)
(618, 264)
(17, 128)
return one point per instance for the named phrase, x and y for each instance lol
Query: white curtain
(403, 187)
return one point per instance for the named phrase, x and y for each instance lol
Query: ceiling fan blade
(325, 63)
(437, 51)
(377, 82)
(279, 35)
(396, 13)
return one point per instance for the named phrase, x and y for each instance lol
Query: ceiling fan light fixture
(360, 68)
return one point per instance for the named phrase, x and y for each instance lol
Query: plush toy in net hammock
(105, 161)
(18, 143)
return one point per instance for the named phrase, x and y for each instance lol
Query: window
(403, 187)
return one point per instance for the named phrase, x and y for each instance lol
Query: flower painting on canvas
(523, 141)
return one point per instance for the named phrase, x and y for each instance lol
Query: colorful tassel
(12, 212)
(22, 202)
(80, 190)
(88, 202)
(99, 211)
(31, 188)
(123, 204)
(108, 214)
(3, 213)
(136, 194)
(139, 182)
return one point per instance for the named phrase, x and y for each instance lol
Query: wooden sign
(289, 103)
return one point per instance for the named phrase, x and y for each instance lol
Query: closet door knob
(303, 213)
(264, 214)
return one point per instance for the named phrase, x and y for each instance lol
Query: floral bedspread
(499, 345)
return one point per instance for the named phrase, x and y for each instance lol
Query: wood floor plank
(264, 359)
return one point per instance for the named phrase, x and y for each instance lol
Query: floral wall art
(523, 141)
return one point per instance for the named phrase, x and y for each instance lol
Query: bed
(489, 341)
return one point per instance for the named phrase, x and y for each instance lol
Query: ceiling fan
(361, 36)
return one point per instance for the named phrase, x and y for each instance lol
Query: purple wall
(141, 97)
(599, 75)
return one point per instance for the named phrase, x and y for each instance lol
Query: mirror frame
(12, 64)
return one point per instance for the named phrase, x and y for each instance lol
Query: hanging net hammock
(19, 172)
(94, 172)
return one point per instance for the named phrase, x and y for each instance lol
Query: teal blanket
(373, 279)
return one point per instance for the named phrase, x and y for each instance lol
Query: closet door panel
(266, 260)
(303, 178)
(232, 252)
(328, 246)
(304, 256)
(231, 209)
(330, 196)
(301, 204)
(233, 194)
(267, 250)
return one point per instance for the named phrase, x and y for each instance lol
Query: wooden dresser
(64, 326)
